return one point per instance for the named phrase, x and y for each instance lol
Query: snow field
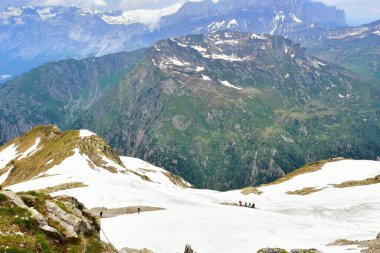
(196, 217)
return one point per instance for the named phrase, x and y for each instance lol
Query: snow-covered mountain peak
(193, 52)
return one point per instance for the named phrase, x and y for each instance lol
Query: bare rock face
(188, 249)
(37, 216)
(71, 223)
(69, 213)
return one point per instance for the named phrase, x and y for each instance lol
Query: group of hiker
(249, 205)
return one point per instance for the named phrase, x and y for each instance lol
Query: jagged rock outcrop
(72, 217)
(188, 249)
(37, 216)
(33, 221)
(71, 224)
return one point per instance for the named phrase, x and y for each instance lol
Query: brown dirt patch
(305, 191)
(109, 213)
(62, 187)
(368, 181)
(249, 190)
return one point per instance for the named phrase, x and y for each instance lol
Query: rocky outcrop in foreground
(34, 221)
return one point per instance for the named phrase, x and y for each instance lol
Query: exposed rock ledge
(368, 246)
(69, 213)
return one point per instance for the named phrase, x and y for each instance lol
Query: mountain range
(223, 110)
(355, 48)
(31, 36)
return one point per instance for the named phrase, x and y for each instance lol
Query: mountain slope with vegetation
(224, 110)
(230, 109)
(59, 92)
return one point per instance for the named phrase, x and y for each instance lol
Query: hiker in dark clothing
(240, 203)
(245, 204)
(138, 210)
(253, 205)
(249, 205)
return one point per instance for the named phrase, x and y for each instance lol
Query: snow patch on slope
(258, 36)
(295, 18)
(31, 150)
(8, 155)
(85, 133)
(216, 26)
(232, 23)
(206, 78)
(5, 77)
(5, 176)
(229, 85)
(177, 62)
(199, 49)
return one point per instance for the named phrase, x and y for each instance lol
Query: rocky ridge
(47, 146)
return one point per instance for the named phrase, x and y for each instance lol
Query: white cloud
(148, 17)
(110, 4)
(86, 4)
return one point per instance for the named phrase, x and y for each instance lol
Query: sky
(357, 11)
